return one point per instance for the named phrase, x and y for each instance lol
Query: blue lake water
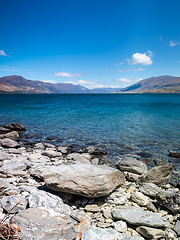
(144, 124)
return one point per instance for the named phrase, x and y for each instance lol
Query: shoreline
(67, 187)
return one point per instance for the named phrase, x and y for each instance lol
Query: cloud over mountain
(66, 74)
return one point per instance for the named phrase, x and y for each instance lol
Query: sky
(93, 43)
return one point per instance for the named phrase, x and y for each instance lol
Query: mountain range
(162, 84)
(18, 84)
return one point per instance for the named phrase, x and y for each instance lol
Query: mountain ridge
(18, 84)
(161, 84)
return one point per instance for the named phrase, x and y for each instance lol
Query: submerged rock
(137, 216)
(81, 179)
(44, 223)
(158, 175)
(175, 154)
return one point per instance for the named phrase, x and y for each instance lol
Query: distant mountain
(18, 84)
(162, 84)
(105, 90)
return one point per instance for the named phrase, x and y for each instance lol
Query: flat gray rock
(18, 173)
(176, 228)
(8, 202)
(39, 198)
(44, 224)
(81, 179)
(77, 157)
(9, 143)
(150, 189)
(150, 232)
(135, 237)
(95, 233)
(137, 216)
(140, 199)
(13, 166)
(132, 165)
(158, 175)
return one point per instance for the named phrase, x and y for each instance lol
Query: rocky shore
(49, 192)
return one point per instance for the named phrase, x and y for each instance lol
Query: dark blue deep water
(147, 125)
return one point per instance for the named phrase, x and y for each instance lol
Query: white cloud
(173, 44)
(141, 58)
(87, 83)
(161, 38)
(49, 81)
(124, 80)
(66, 74)
(131, 70)
(2, 53)
(127, 80)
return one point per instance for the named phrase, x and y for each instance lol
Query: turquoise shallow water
(144, 124)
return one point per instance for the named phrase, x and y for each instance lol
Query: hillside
(18, 84)
(162, 84)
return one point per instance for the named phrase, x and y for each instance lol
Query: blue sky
(93, 43)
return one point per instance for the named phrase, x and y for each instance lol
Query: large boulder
(137, 216)
(44, 223)
(158, 175)
(81, 178)
(132, 165)
(9, 143)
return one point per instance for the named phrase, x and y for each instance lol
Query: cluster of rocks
(51, 193)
